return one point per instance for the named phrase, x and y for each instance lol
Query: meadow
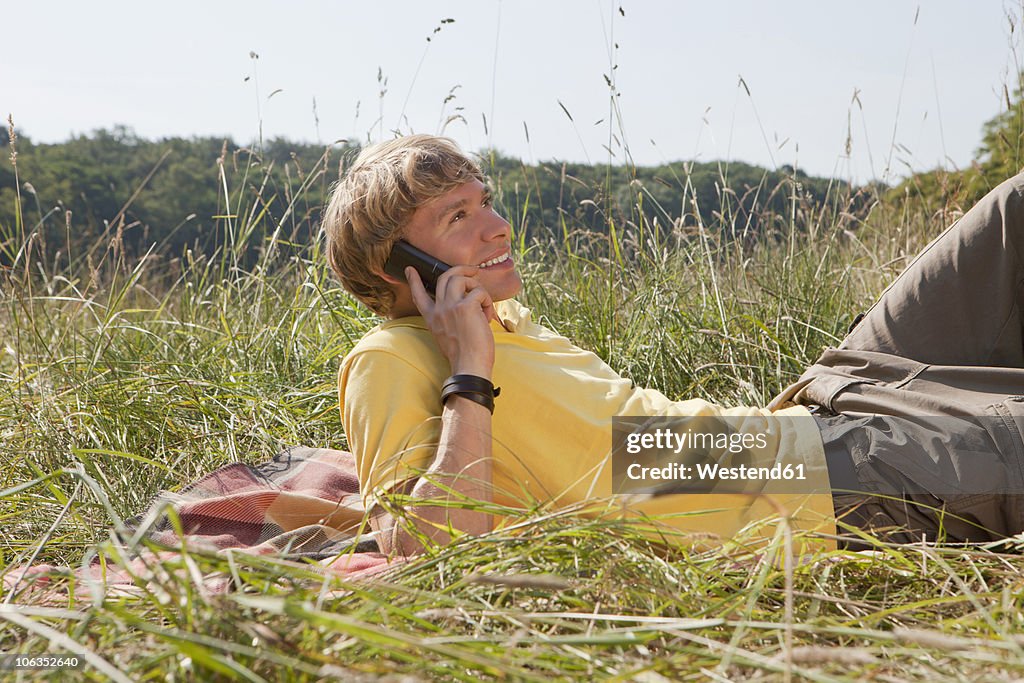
(123, 374)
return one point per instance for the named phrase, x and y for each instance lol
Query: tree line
(175, 194)
(197, 193)
(178, 193)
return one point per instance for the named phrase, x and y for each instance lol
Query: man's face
(461, 227)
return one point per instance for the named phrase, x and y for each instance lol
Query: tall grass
(122, 376)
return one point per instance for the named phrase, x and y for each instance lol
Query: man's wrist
(478, 369)
(473, 387)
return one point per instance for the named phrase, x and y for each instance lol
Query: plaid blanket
(303, 504)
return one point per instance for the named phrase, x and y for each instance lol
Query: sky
(873, 89)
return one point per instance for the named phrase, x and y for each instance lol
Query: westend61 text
(715, 472)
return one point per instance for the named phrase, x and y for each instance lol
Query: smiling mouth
(495, 261)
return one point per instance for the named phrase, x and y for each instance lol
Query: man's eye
(488, 200)
(458, 216)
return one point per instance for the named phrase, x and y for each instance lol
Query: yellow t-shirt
(552, 427)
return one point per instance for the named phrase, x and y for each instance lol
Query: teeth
(495, 261)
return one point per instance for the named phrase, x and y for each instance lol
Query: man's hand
(459, 318)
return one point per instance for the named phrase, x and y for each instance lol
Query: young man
(417, 392)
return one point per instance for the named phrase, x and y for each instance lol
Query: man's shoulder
(393, 334)
(404, 340)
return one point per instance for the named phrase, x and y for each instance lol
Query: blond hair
(373, 203)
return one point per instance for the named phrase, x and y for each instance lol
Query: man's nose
(495, 227)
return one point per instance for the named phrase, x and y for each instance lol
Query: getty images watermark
(712, 454)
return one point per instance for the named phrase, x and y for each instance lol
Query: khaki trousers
(925, 396)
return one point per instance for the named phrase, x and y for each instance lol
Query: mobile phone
(404, 255)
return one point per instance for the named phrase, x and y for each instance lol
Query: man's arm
(461, 470)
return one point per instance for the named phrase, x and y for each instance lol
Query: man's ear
(390, 280)
(402, 295)
(399, 288)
